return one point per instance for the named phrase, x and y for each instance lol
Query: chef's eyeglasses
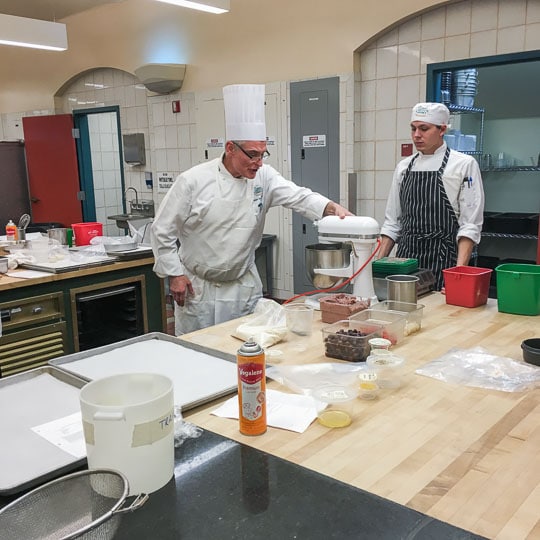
(253, 156)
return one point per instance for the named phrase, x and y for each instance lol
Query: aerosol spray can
(251, 388)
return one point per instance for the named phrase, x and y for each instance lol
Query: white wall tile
(511, 39)
(367, 156)
(365, 125)
(386, 93)
(368, 65)
(410, 31)
(458, 19)
(387, 62)
(366, 207)
(532, 37)
(172, 159)
(433, 24)
(457, 47)
(368, 91)
(379, 207)
(533, 11)
(483, 43)
(385, 156)
(129, 95)
(408, 91)
(383, 181)
(366, 183)
(388, 39)
(158, 117)
(432, 51)
(403, 120)
(385, 125)
(171, 137)
(512, 13)
(409, 59)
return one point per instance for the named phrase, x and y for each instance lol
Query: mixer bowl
(326, 256)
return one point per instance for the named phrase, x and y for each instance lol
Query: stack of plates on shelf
(446, 87)
(465, 86)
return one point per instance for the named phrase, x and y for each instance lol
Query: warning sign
(312, 141)
(165, 181)
(215, 143)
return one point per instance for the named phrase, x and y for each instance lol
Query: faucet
(136, 196)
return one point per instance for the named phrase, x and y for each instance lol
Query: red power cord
(341, 285)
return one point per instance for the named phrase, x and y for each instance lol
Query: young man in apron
(211, 221)
(435, 208)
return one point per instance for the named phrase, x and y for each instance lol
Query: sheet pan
(199, 374)
(27, 400)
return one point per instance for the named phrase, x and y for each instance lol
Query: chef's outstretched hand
(180, 287)
(335, 209)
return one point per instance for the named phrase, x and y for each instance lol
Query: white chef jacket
(463, 184)
(193, 190)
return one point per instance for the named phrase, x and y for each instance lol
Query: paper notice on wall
(165, 181)
(215, 143)
(312, 141)
(270, 141)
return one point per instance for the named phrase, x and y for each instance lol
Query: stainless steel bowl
(326, 256)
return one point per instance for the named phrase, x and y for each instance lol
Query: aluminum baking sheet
(59, 267)
(28, 400)
(199, 374)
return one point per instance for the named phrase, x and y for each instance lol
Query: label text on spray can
(251, 377)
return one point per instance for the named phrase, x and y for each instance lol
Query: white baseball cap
(432, 113)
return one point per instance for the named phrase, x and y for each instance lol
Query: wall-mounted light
(34, 33)
(211, 6)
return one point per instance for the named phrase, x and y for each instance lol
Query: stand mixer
(362, 233)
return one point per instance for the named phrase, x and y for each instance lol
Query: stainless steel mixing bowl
(326, 256)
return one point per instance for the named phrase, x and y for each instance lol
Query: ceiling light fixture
(33, 33)
(211, 6)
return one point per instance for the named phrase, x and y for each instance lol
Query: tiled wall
(392, 77)
(105, 169)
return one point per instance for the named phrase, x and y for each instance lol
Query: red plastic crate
(466, 286)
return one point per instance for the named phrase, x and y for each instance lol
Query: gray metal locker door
(314, 157)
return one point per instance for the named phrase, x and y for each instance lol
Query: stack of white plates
(465, 86)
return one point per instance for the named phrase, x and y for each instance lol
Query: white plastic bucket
(128, 423)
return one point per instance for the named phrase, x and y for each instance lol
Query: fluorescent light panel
(34, 33)
(211, 6)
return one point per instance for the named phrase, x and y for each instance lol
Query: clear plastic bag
(478, 367)
(183, 430)
(303, 379)
(267, 326)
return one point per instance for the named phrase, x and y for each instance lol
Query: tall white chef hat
(432, 113)
(244, 112)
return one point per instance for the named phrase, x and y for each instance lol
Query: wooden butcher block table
(465, 455)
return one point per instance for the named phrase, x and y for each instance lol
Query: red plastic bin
(84, 232)
(466, 286)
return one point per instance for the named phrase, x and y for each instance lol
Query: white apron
(220, 265)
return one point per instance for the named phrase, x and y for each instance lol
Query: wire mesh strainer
(86, 504)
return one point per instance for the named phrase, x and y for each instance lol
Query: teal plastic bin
(518, 288)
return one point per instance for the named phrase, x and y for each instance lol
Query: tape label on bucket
(155, 430)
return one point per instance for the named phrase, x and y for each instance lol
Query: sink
(122, 219)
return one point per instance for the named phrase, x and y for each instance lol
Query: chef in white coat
(435, 208)
(211, 221)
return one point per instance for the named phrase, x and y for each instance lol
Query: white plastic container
(388, 368)
(128, 423)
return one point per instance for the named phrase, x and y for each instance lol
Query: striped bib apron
(429, 223)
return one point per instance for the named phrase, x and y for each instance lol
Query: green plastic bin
(388, 266)
(518, 288)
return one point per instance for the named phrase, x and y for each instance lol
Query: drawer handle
(36, 310)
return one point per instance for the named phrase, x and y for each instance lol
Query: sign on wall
(313, 141)
(165, 181)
